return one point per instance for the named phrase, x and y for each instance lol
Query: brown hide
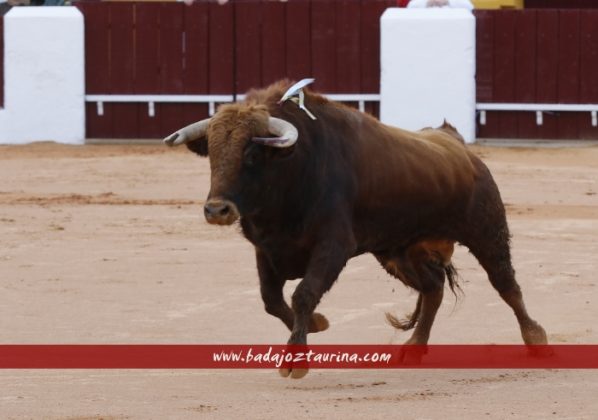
(430, 167)
(391, 162)
(397, 173)
(351, 185)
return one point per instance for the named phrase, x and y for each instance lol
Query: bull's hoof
(535, 338)
(534, 334)
(294, 373)
(318, 323)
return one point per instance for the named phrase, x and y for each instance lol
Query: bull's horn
(188, 134)
(286, 133)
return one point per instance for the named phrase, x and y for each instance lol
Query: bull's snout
(220, 212)
(212, 210)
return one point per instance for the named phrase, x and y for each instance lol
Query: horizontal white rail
(360, 98)
(211, 100)
(159, 98)
(539, 109)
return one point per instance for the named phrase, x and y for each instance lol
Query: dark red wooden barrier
(139, 49)
(170, 48)
(561, 4)
(537, 56)
(588, 69)
(523, 56)
(1, 60)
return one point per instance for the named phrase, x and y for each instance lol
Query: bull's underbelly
(291, 262)
(374, 232)
(382, 230)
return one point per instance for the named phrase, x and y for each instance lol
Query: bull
(312, 193)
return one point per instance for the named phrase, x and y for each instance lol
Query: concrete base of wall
(44, 76)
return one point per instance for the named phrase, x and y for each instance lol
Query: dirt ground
(107, 244)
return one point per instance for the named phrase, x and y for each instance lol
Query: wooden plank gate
(538, 57)
(207, 49)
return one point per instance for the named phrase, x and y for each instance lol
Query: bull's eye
(251, 156)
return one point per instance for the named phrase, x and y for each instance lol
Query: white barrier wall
(44, 78)
(428, 69)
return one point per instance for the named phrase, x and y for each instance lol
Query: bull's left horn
(188, 134)
(286, 133)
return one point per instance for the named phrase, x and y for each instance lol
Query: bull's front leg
(271, 287)
(327, 261)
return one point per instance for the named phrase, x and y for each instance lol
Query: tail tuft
(407, 323)
(452, 276)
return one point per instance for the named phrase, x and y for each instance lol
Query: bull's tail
(452, 277)
(410, 320)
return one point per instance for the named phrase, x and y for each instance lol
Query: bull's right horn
(286, 133)
(188, 134)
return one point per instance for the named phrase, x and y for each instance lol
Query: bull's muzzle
(220, 212)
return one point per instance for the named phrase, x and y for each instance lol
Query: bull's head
(237, 138)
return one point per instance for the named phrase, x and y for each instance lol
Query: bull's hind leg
(496, 260)
(430, 303)
(488, 239)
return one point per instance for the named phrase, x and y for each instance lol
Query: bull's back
(410, 184)
(420, 166)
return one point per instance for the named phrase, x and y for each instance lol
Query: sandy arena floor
(107, 244)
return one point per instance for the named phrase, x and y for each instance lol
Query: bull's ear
(199, 146)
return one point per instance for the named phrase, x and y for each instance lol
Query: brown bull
(311, 194)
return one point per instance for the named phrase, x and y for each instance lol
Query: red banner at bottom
(213, 356)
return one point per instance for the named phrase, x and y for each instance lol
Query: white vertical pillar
(428, 69)
(44, 77)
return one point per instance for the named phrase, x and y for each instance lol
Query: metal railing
(360, 98)
(539, 109)
(211, 100)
